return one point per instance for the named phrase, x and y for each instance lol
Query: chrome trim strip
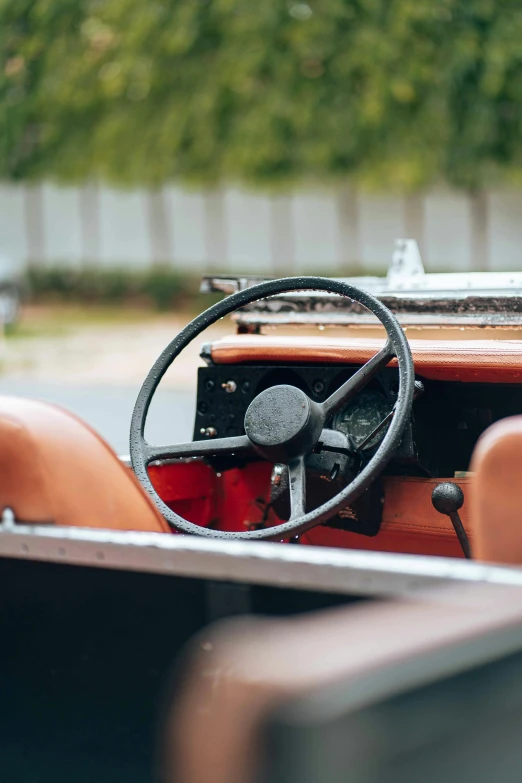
(430, 285)
(449, 299)
(301, 567)
(445, 320)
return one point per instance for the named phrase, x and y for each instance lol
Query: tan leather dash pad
(463, 360)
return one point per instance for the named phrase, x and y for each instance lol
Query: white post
(160, 238)
(34, 224)
(282, 236)
(90, 223)
(216, 230)
(348, 218)
(479, 215)
(414, 218)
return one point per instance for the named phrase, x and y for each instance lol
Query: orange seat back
(55, 469)
(496, 498)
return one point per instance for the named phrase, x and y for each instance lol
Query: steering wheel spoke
(297, 487)
(358, 380)
(199, 448)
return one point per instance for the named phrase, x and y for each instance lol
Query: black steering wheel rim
(397, 344)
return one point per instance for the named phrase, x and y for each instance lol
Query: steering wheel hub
(282, 422)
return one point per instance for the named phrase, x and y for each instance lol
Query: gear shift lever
(447, 498)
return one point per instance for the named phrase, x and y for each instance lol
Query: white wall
(13, 239)
(186, 213)
(316, 231)
(124, 230)
(62, 225)
(247, 219)
(381, 221)
(447, 232)
(234, 230)
(505, 234)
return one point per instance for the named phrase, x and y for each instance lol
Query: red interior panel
(238, 500)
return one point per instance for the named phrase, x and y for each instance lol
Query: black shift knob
(447, 497)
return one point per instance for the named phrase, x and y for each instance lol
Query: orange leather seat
(496, 498)
(55, 469)
(238, 672)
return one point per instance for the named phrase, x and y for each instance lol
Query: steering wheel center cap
(281, 419)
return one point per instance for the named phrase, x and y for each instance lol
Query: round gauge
(359, 418)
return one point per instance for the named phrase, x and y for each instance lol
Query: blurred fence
(238, 231)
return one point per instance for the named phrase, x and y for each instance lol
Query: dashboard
(225, 392)
(446, 422)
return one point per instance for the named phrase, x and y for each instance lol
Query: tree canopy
(391, 93)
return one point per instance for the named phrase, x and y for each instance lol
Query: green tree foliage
(398, 93)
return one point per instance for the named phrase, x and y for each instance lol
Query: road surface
(95, 365)
(109, 408)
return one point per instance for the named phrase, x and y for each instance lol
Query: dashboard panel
(225, 392)
(446, 423)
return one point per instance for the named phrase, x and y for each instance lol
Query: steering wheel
(282, 424)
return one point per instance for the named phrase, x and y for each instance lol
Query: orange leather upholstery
(410, 524)
(55, 469)
(489, 361)
(240, 671)
(496, 497)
